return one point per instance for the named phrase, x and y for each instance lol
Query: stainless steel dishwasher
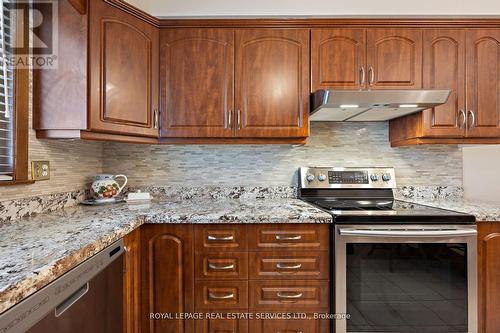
(87, 299)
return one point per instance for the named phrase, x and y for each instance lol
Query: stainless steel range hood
(372, 105)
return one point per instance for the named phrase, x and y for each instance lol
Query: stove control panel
(324, 177)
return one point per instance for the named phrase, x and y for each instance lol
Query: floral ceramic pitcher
(106, 187)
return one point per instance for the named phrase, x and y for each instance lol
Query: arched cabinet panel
(168, 277)
(394, 58)
(197, 70)
(123, 69)
(338, 59)
(272, 82)
(444, 68)
(483, 83)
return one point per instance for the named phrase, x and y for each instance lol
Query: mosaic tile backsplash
(330, 144)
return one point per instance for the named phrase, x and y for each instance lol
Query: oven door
(406, 278)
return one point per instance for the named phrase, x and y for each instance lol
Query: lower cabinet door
(289, 325)
(222, 326)
(167, 278)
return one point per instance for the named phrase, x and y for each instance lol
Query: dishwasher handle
(455, 232)
(68, 302)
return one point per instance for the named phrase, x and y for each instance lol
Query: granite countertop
(482, 212)
(39, 249)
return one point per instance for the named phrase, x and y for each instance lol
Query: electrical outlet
(40, 170)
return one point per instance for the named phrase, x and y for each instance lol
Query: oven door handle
(407, 233)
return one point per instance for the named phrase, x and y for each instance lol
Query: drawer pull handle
(224, 239)
(288, 238)
(289, 296)
(221, 268)
(285, 266)
(217, 297)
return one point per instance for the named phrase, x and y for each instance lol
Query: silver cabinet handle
(281, 238)
(407, 233)
(225, 238)
(229, 120)
(68, 302)
(473, 122)
(371, 73)
(221, 268)
(238, 120)
(464, 119)
(289, 296)
(284, 266)
(363, 75)
(217, 297)
(155, 118)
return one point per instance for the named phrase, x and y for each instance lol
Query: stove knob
(374, 177)
(386, 177)
(310, 177)
(321, 177)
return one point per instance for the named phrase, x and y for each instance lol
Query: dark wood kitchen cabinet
(366, 58)
(106, 84)
(467, 62)
(444, 68)
(489, 276)
(483, 83)
(123, 72)
(197, 74)
(132, 282)
(272, 83)
(205, 269)
(167, 277)
(338, 58)
(241, 84)
(394, 58)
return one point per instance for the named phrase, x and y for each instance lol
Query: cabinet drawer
(220, 238)
(222, 326)
(214, 266)
(289, 325)
(289, 295)
(212, 295)
(289, 265)
(295, 237)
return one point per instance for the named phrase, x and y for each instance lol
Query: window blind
(6, 94)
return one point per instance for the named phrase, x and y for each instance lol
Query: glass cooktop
(373, 210)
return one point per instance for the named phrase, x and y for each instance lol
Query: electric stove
(365, 195)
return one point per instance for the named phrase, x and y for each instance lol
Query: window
(14, 91)
(6, 98)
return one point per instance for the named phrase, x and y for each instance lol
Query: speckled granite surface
(38, 249)
(19, 208)
(429, 192)
(482, 212)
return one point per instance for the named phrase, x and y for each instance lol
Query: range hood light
(372, 105)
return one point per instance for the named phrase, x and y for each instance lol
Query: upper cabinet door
(394, 58)
(338, 58)
(444, 68)
(483, 83)
(197, 86)
(272, 82)
(123, 69)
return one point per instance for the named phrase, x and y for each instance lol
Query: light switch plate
(40, 170)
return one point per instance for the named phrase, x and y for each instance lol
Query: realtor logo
(34, 33)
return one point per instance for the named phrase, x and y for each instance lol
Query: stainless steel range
(399, 267)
